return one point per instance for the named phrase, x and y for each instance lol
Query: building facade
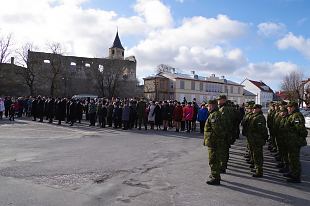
(176, 86)
(264, 94)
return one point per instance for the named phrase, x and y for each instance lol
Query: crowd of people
(116, 113)
(219, 121)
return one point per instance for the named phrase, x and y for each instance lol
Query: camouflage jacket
(228, 117)
(296, 130)
(257, 131)
(214, 134)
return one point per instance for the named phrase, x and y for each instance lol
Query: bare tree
(28, 71)
(5, 47)
(108, 78)
(55, 65)
(164, 68)
(293, 87)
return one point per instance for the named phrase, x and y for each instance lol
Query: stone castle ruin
(59, 75)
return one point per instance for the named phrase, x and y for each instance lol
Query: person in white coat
(151, 116)
(2, 108)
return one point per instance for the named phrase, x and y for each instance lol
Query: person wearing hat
(283, 141)
(214, 138)
(245, 127)
(270, 121)
(296, 138)
(276, 130)
(258, 135)
(228, 120)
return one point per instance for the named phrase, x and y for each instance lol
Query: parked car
(306, 113)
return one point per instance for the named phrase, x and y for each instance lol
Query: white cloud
(298, 43)
(155, 13)
(271, 29)
(270, 73)
(200, 43)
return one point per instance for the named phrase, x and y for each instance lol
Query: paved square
(43, 164)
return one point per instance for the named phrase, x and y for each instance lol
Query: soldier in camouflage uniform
(283, 139)
(245, 127)
(228, 119)
(270, 120)
(257, 138)
(296, 133)
(278, 139)
(214, 138)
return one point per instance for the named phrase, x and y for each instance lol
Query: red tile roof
(261, 86)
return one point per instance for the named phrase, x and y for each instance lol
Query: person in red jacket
(177, 116)
(188, 112)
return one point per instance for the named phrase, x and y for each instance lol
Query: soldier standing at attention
(296, 138)
(214, 138)
(245, 128)
(258, 135)
(228, 117)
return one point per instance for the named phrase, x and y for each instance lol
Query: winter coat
(60, 110)
(165, 112)
(178, 113)
(151, 116)
(188, 112)
(126, 113)
(202, 114)
(158, 115)
(1, 105)
(141, 106)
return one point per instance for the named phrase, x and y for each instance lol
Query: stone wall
(76, 75)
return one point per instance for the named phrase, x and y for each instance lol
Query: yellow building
(176, 86)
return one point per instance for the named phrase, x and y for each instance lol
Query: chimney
(223, 77)
(173, 70)
(193, 72)
(212, 75)
(12, 60)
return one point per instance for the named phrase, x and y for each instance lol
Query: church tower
(117, 50)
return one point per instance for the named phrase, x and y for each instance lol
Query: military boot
(213, 181)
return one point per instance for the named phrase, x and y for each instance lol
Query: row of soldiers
(287, 134)
(221, 131)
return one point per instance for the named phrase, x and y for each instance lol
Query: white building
(264, 94)
(172, 85)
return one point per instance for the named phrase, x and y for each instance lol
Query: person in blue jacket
(202, 116)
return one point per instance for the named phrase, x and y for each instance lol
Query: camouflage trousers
(258, 158)
(294, 162)
(225, 154)
(215, 161)
(282, 148)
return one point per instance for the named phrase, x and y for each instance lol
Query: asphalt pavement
(44, 164)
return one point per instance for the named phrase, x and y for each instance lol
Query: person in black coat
(34, 109)
(60, 110)
(40, 108)
(51, 110)
(165, 113)
(158, 115)
(68, 102)
(110, 109)
(46, 108)
(79, 110)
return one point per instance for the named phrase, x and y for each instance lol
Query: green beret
(257, 106)
(292, 104)
(222, 97)
(213, 101)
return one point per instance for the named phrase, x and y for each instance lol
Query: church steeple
(117, 50)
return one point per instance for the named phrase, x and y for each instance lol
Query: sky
(258, 39)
